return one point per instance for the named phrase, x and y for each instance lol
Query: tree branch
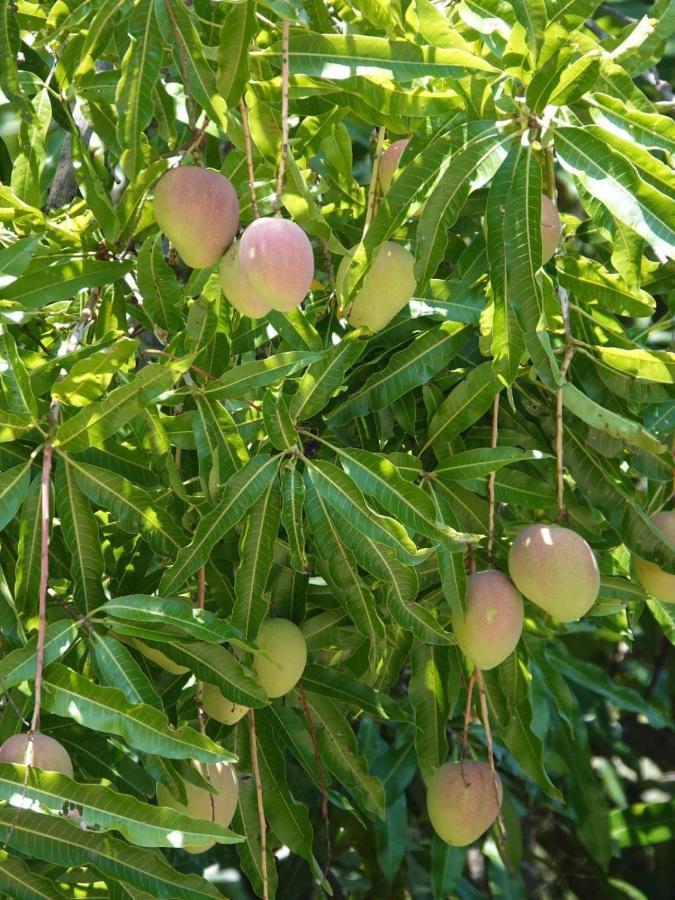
(249, 157)
(261, 805)
(491, 481)
(564, 368)
(284, 113)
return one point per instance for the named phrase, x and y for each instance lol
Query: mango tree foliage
(343, 479)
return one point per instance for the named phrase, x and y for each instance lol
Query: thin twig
(261, 805)
(199, 696)
(194, 144)
(467, 716)
(564, 368)
(374, 179)
(45, 521)
(491, 758)
(319, 772)
(248, 144)
(284, 113)
(491, 480)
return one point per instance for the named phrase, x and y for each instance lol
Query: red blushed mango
(237, 289)
(551, 228)
(462, 801)
(276, 258)
(653, 579)
(48, 754)
(198, 210)
(493, 623)
(555, 568)
(389, 163)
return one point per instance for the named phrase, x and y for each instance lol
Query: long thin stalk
(261, 804)
(284, 113)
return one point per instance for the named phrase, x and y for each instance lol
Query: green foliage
(210, 470)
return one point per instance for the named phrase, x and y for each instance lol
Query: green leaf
(135, 509)
(14, 485)
(480, 462)
(18, 880)
(20, 665)
(139, 73)
(278, 422)
(81, 535)
(67, 693)
(532, 15)
(256, 554)
(247, 821)
(61, 279)
(322, 379)
(27, 580)
(90, 377)
(643, 824)
(465, 404)
(650, 365)
(260, 372)
(340, 492)
(14, 378)
(613, 180)
(237, 29)
(341, 573)
(470, 168)
(29, 163)
(103, 809)
(339, 752)
(344, 688)
(100, 420)
(453, 578)
(609, 422)
(651, 130)
(58, 841)
(162, 296)
(216, 665)
(428, 694)
(590, 281)
(199, 624)
(293, 500)
(116, 667)
(13, 425)
(411, 367)
(220, 447)
(183, 38)
(339, 56)
(241, 491)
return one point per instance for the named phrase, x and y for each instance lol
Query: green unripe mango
(202, 804)
(48, 754)
(198, 210)
(555, 568)
(237, 289)
(388, 286)
(280, 666)
(653, 579)
(462, 801)
(220, 708)
(493, 623)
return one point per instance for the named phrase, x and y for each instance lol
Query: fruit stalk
(261, 805)
(284, 114)
(372, 190)
(491, 758)
(564, 368)
(249, 157)
(491, 480)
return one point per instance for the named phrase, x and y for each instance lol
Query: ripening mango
(160, 659)
(388, 286)
(281, 665)
(555, 568)
(198, 210)
(462, 801)
(389, 163)
(277, 260)
(220, 708)
(551, 228)
(48, 754)
(237, 289)
(493, 623)
(202, 804)
(653, 579)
